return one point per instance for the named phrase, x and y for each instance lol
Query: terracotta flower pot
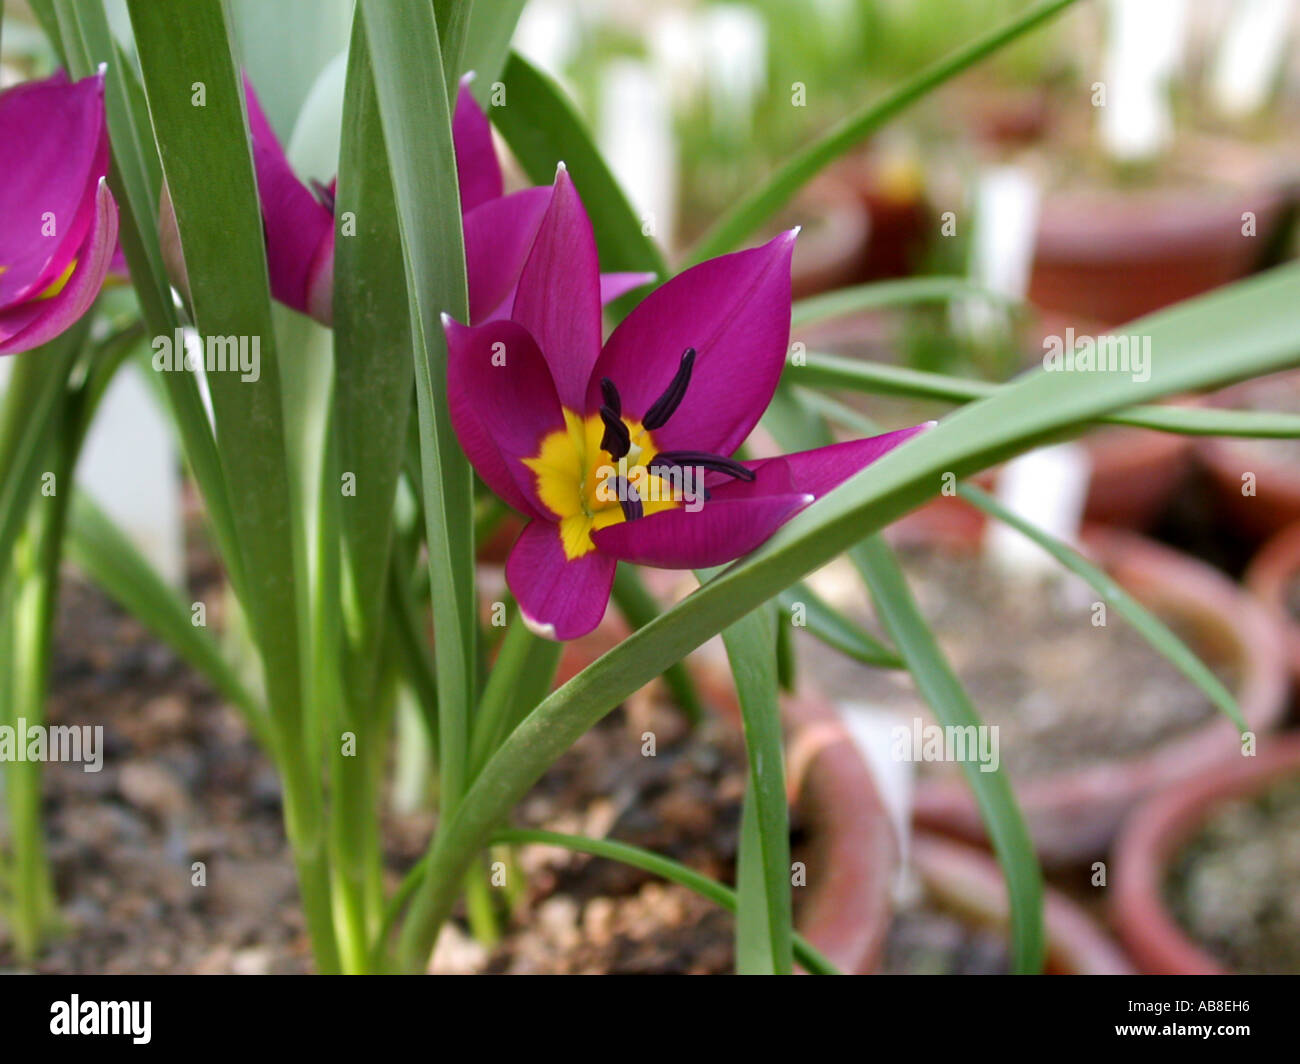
(1153, 837)
(1074, 814)
(1114, 256)
(1276, 502)
(1271, 576)
(969, 882)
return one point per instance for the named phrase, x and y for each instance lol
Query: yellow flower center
(579, 481)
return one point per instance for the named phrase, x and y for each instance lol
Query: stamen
(628, 499)
(714, 463)
(610, 394)
(657, 416)
(617, 440)
(323, 194)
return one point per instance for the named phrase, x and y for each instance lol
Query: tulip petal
(560, 599)
(558, 299)
(299, 228)
(822, 469)
(735, 312)
(50, 182)
(33, 323)
(503, 404)
(499, 235)
(721, 531)
(476, 159)
(613, 285)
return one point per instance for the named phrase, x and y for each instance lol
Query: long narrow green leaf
(487, 42)
(543, 130)
(763, 879)
(877, 378)
(760, 206)
(196, 106)
(797, 428)
(414, 108)
(520, 678)
(1246, 329)
(880, 294)
(639, 608)
(836, 630)
(453, 17)
(27, 427)
(372, 360)
(804, 951)
(80, 33)
(942, 691)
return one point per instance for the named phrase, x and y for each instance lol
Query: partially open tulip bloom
(58, 221)
(622, 452)
(499, 230)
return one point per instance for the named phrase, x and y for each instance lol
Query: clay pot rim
(968, 880)
(1218, 605)
(1267, 577)
(1144, 225)
(1152, 837)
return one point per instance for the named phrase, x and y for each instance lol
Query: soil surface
(1063, 691)
(1233, 886)
(183, 783)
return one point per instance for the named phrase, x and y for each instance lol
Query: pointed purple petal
(822, 469)
(476, 158)
(558, 299)
(613, 285)
(38, 320)
(499, 234)
(721, 531)
(735, 312)
(560, 599)
(49, 183)
(299, 228)
(502, 403)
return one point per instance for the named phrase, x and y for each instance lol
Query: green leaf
(769, 198)
(28, 427)
(798, 429)
(1242, 330)
(543, 130)
(519, 678)
(670, 870)
(1150, 627)
(414, 108)
(372, 358)
(880, 294)
(208, 167)
(942, 691)
(763, 878)
(639, 608)
(135, 176)
(877, 378)
(838, 631)
(487, 42)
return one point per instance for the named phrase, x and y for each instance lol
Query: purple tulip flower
(622, 452)
(58, 221)
(499, 229)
